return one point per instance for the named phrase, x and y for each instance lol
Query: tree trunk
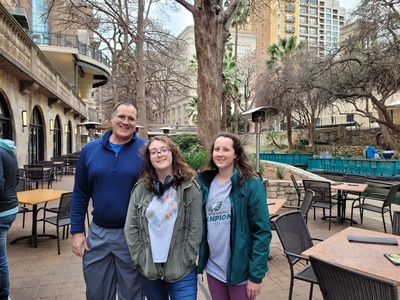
(289, 132)
(236, 106)
(141, 96)
(210, 38)
(224, 109)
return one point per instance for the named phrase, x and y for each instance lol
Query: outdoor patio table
(364, 257)
(35, 197)
(347, 187)
(274, 205)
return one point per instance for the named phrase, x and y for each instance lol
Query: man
(106, 172)
(8, 207)
(370, 152)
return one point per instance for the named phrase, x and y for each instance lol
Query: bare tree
(367, 66)
(291, 87)
(127, 32)
(212, 20)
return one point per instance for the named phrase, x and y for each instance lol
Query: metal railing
(64, 40)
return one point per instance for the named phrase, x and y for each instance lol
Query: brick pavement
(39, 273)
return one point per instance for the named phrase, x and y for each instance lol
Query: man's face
(123, 122)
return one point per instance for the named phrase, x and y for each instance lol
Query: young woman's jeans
(5, 224)
(184, 289)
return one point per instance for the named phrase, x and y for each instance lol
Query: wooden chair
(340, 283)
(382, 204)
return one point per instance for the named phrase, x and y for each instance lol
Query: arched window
(36, 137)
(5, 120)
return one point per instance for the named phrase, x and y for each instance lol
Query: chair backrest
(293, 233)
(396, 223)
(45, 163)
(340, 283)
(391, 195)
(306, 204)
(322, 189)
(64, 208)
(296, 186)
(355, 178)
(21, 186)
(57, 158)
(33, 172)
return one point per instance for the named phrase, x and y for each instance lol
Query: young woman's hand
(252, 289)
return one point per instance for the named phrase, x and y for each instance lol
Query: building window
(303, 30)
(303, 20)
(289, 27)
(303, 9)
(350, 118)
(313, 21)
(313, 11)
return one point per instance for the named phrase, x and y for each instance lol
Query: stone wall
(284, 188)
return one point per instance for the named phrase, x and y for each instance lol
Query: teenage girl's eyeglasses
(162, 151)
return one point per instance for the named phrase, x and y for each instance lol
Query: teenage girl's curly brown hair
(181, 170)
(242, 163)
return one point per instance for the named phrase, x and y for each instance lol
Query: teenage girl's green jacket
(250, 229)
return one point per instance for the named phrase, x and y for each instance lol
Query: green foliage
(191, 149)
(279, 172)
(187, 142)
(252, 159)
(301, 145)
(196, 159)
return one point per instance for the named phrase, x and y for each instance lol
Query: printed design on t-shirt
(217, 212)
(160, 217)
(215, 206)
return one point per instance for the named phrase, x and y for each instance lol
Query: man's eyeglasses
(122, 118)
(162, 151)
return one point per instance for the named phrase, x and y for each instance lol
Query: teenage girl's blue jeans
(5, 224)
(184, 289)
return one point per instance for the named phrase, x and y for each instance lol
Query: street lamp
(257, 115)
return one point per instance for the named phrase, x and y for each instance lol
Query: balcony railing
(63, 40)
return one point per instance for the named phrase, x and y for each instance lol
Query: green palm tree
(240, 19)
(231, 80)
(283, 49)
(278, 52)
(191, 109)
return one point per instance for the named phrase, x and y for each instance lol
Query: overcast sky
(181, 19)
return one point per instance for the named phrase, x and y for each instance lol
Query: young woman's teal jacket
(250, 229)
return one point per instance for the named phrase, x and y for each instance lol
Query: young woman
(237, 234)
(163, 227)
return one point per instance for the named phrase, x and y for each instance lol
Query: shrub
(279, 172)
(196, 159)
(187, 142)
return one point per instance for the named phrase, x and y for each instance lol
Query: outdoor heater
(257, 115)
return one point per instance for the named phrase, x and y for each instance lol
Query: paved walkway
(39, 273)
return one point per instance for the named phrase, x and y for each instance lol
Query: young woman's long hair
(242, 163)
(181, 170)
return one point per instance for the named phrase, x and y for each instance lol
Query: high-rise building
(316, 23)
